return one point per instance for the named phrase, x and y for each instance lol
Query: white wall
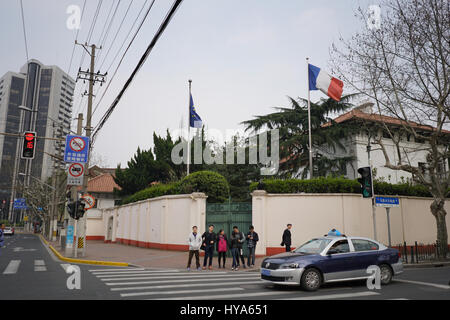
(162, 222)
(313, 215)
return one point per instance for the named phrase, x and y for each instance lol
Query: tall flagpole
(189, 129)
(309, 126)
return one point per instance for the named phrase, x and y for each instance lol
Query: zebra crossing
(14, 266)
(152, 284)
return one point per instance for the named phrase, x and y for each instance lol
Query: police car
(331, 258)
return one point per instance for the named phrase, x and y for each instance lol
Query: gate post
(259, 220)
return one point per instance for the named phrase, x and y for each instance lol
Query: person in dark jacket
(236, 240)
(252, 239)
(209, 241)
(287, 240)
(222, 247)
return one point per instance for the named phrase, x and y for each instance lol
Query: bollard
(417, 252)
(412, 254)
(405, 251)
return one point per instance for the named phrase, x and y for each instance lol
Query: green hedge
(214, 185)
(338, 185)
(157, 190)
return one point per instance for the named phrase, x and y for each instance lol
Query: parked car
(329, 259)
(8, 231)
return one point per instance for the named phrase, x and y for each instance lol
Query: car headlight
(290, 266)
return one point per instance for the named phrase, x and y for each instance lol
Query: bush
(157, 190)
(339, 185)
(213, 184)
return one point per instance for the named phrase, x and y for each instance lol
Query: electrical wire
(152, 44)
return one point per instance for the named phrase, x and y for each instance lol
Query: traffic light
(365, 181)
(29, 144)
(76, 209)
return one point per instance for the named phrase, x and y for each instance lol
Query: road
(28, 270)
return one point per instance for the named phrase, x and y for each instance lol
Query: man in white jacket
(195, 242)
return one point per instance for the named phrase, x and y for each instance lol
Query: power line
(24, 32)
(158, 34)
(124, 54)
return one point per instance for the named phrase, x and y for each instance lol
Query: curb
(92, 262)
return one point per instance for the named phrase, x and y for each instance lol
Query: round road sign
(90, 201)
(76, 170)
(77, 144)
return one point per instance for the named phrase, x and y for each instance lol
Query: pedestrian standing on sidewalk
(195, 242)
(209, 241)
(287, 239)
(222, 246)
(237, 239)
(252, 239)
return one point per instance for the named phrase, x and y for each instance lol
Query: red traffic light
(29, 143)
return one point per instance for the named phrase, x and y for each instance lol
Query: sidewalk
(143, 257)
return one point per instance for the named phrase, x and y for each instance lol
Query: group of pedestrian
(210, 241)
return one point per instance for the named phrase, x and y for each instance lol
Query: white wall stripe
(149, 293)
(12, 267)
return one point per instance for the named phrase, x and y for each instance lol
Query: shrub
(213, 184)
(339, 185)
(157, 190)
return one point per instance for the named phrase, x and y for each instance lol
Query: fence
(420, 252)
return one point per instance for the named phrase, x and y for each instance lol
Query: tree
(403, 66)
(292, 124)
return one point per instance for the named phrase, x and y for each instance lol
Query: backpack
(222, 245)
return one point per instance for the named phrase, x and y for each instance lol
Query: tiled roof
(102, 184)
(358, 114)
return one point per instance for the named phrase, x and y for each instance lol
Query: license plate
(265, 272)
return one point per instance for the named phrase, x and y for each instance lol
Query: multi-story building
(46, 94)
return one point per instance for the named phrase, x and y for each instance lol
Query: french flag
(320, 80)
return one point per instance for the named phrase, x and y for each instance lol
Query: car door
(366, 254)
(338, 265)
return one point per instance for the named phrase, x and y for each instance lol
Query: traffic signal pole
(374, 208)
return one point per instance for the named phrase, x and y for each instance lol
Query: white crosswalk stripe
(146, 273)
(12, 267)
(230, 296)
(39, 265)
(335, 296)
(149, 293)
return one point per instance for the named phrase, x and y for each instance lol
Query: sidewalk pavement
(147, 258)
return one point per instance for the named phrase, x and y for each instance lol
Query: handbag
(203, 247)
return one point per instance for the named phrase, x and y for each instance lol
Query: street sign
(387, 202)
(75, 174)
(90, 201)
(25, 218)
(69, 237)
(77, 149)
(20, 203)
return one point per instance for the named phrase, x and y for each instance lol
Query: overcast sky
(244, 57)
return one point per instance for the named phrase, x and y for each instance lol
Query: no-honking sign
(75, 174)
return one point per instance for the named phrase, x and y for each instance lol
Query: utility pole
(93, 78)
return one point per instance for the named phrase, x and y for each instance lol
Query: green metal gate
(226, 215)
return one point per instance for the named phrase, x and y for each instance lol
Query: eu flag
(194, 119)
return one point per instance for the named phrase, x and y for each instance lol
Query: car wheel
(385, 274)
(311, 280)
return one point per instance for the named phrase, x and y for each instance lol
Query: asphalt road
(28, 270)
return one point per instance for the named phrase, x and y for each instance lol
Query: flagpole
(189, 128)
(309, 126)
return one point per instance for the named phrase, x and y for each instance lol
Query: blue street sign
(387, 202)
(77, 149)
(69, 239)
(20, 203)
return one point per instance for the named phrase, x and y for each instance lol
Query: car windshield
(314, 246)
